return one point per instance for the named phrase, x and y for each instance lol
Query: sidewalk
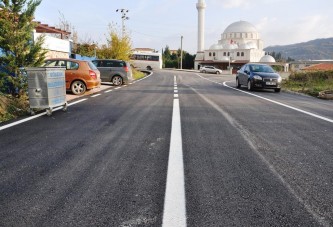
(104, 86)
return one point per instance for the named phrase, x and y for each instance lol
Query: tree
(16, 39)
(173, 60)
(118, 46)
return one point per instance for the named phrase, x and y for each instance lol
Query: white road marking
(36, 116)
(175, 96)
(59, 108)
(281, 104)
(246, 136)
(117, 88)
(272, 101)
(174, 212)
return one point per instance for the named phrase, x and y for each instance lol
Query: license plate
(270, 83)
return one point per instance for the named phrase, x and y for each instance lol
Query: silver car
(117, 72)
(210, 69)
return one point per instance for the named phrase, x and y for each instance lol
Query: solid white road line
(36, 116)
(281, 104)
(174, 213)
(272, 101)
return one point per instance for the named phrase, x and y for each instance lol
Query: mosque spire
(201, 5)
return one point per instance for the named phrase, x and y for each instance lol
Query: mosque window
(228, 54)
(237, 54)
(224, 53)
(242, 54)
(210, 54)
(214, 54)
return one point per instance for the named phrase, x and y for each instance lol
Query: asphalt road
(247, 158)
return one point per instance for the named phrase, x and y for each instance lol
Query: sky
(160, 23)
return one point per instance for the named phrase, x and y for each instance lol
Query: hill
(318, 49)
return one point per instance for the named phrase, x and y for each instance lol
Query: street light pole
(181, 52)
(123, 18)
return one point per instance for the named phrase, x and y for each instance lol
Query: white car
(210, 69)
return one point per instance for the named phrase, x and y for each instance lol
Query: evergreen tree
(16, 40)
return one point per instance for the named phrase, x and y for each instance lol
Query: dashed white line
(174, 212)
(108, 91)
(93, 96)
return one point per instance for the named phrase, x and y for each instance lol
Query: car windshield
(92, 65)
(261, 68)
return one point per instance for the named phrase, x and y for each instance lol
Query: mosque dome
(240, 26)
(267, 58)
(216, 47)
(249, 45)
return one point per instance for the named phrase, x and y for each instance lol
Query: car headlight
(257, 77)
(280, 79)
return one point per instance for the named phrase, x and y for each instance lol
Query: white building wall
(54, 45)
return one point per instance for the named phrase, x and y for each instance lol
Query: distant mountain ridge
(318, 49)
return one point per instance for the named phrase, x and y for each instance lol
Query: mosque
(240, 43)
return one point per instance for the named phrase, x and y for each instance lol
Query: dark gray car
(117, 72)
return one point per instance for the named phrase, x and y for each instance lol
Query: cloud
(275, 31)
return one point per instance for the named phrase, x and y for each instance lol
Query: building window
(237, 54)
(210, 54)
(214, 54)
(224, 54)
(242, 54)
(228, 54)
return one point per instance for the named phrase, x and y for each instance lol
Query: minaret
(201, 5)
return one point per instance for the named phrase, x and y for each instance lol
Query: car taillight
(126, 68)
(92, 74)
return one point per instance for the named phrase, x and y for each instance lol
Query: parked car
(116, 71)
(210, 69)
(258, 76)
(80, 75)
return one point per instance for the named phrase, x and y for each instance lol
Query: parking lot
(70, 96)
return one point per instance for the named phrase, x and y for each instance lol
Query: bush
(11, 107)
(311, 82)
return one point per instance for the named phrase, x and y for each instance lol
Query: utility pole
(181, 52)
(123, 18)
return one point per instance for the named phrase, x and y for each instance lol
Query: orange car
(80, 75)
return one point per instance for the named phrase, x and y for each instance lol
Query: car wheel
(249, 85)
(149, 68)
(238, 85)
(218, 72)
(277, 89)
(78, 87)
(117, 80)
(203, 71)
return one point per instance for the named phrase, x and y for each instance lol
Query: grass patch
(137, 74)
(12, 107)
(310, 83)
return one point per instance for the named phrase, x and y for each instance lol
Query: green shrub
(311, 82)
